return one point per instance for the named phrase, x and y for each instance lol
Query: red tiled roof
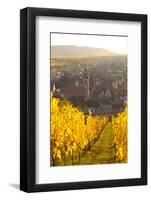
(73, 91)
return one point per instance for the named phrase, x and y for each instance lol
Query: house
(74, 93)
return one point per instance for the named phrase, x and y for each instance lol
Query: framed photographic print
(83, 99)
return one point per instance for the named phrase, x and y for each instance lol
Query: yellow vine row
(71, 130)
(119, 129)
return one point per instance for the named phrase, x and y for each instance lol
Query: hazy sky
(114, 43)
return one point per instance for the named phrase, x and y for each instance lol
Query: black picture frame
(28, 99)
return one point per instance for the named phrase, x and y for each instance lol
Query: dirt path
(103, 150)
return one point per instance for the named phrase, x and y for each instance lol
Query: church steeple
(53, 88)
(87, 82)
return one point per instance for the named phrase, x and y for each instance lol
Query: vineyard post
(79, 156)
(64, 159)
(72, 156)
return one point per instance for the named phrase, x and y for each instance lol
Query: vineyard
(119, 127)
(74, 134)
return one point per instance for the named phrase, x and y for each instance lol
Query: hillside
(77, 51)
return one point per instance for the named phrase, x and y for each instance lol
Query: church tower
(53, 88)
(86, 83)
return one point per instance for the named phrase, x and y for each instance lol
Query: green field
(103, 151)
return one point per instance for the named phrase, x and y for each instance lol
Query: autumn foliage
(119, 129)
(71, 130)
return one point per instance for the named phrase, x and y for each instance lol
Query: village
(101, 91)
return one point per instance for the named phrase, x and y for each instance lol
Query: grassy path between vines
(103, 151)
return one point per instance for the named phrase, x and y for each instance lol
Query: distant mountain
(77, 51)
